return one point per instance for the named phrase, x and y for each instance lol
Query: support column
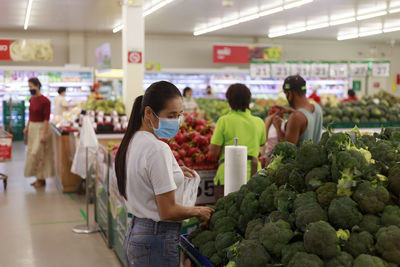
(76, 48)
(132, 53)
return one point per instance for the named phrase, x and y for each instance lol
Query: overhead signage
(26, 50)
(244, 54)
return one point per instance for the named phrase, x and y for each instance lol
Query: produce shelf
(364, 125)
(194, 252)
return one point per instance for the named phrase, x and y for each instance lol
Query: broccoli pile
(334, 203)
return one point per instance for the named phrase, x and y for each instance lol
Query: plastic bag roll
(235, 168)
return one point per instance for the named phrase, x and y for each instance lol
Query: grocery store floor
(35, 225)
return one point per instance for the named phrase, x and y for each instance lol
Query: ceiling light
(270, 11)
(394, 29)
(370, 32)
(296, 4)
(371, 9)
(317, 26)
(296, 30)
(342, 21)
(118, 28)
(248, 18)
(372, 15)
(156, 7)
(276, 34)
(347, 36)
(394, 10)
(28, 14)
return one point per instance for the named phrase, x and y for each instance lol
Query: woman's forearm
(179, 213)
(45, 127)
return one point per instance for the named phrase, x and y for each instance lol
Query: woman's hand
(277, 121)
(25, 131)
(188, 172)
(204, 215)
(283, 109)
(43, 138)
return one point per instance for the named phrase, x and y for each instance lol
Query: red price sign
(5, 50)
(135, 57)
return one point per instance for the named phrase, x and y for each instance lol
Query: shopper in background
(305, 119)
(314, 96)
(189, 104)
(94, 91)
(239, 123)
(148, 176)
(209, 93)
(60, 103)
(351, 96)
(39, 157)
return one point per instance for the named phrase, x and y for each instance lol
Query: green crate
(364, 125)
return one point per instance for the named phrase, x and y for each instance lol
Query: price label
(300, 69)
(319, 70)
(359, 69)
(260, 71)
(381, 69)
(339, 70)
(280, 70)
(205, 193)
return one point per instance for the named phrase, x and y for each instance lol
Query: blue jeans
(152, 244)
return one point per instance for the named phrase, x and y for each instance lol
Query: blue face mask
(167, 128)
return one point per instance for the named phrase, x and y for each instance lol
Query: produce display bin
(364, 125)
(193, 253)
(14, 117)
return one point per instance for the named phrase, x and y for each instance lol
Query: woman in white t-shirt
(60, 103)
(148, 176)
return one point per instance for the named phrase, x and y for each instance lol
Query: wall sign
(26, 50)
(339, 70)
(260, 71)
(135, 57)
(243, 54)
(380, 69)
(103, 57)
(300, 69)
(358, 69)
(320, 70)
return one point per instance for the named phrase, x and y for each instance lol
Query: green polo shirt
(250, 131)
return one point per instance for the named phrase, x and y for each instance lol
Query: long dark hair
(35, 81)
(156, 97)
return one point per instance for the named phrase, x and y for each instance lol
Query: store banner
(359, 69)
(260, 71)
(240, 54)
(320, 70)
(103, 57)
(339, 70)
(26, 50)
(302, 69)
(280, 70)
(381, 69)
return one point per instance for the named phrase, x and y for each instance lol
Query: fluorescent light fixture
(28, 14)
(370, 32)
(371, 9)
(270, 11)
(317, 26)
(372, 15)
(394, 10)
(393, 29)
(394, 4)
(296, 30)
(347, 36)
(248, 18)
(118, 28)
(276, 34)
(156, 7)
(342, 21)
(296, 4)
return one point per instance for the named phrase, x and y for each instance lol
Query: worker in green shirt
(238, 123)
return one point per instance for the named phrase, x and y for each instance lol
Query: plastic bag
(187, 192)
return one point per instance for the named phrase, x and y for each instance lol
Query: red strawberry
(188, 161)
(182, 153)
(193, 151)
(185, 146)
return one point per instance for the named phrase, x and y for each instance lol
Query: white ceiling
(183, 16)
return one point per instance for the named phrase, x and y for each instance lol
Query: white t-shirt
(60, 105)
(151, 170)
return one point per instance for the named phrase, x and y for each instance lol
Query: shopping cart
(5, 152)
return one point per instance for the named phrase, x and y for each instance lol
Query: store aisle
(35, 225)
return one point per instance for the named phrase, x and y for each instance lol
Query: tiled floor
(36, 225)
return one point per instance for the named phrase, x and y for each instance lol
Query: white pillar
(133, 43)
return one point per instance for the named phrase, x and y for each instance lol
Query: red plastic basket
(5, 147)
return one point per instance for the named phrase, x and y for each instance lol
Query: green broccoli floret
(359, 243)
(195, 233)
(326, 193)
(285, 149)
(388, 243)
(304, 199)
(203, 237)
(296, 180)
(223, 241)
(371, 199)
(253, 228)
(281, 215)
(290, 250)
(243, 191)
(384, 152)
(267, 199)
(258, 183)
(226, 224)
(216, 260)
(230, 200)
(370, 223)
(324, 137)
(275, 235)
(251, 253)
(367, 260)
(343, 213)
(272, 168)
(283, 173)
(233, 212)
(302, 259)
(250, 206)
(368, 140)
(394, 180)
(220, 205)
(391, 216)
(337, 142)
(284, 198)
(208, 249)
(310, 156)
(343, 259)
(308, 214)
(317, 177)
(320, 238)
(217, 216)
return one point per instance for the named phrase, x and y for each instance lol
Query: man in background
(209, 93)
(351, 96)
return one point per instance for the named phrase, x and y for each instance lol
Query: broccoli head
(281, 215)
(311, 155)
(296, 180)
(368, 140)
(326, 193)
(230, 200)
(320, 238)
(388, 243)
(208, 249)
(203, 237)
(317, 177)
(275, 235)
(370, 223)
(343, 213)
(371, 199)
(343, 259)
(384, 152)
(253, 228)
(304, 199)
(267, 199)
(394, 180)
(285, 149)
(226, 224)
(283, 173)
(284, 198)
(337, 142)
(308, 214)
(217, 216)
(290, 250)
(223, 241)
(233, 212)
(391, 216)
(359, 243)
(220, 205)
(243, 191)
(250, 206)
(251, 253)
(367, 260)
(258, 183)
(216, 260)
(302, 259)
